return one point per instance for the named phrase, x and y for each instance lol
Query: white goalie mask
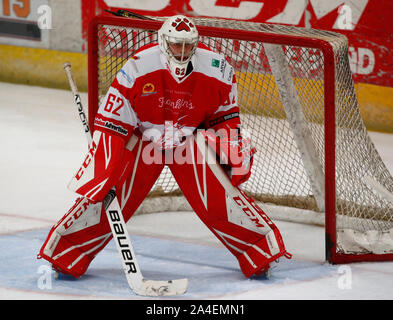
(178, 40)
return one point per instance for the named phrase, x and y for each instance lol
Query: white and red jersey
(145, 96)
(147, 100)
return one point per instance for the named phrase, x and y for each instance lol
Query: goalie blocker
(233, 217)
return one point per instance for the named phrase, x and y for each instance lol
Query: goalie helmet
(178, 40)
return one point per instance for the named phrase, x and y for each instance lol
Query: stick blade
(156, 288)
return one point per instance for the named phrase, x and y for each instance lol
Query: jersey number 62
(110, 104)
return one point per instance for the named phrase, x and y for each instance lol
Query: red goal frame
(324, 46)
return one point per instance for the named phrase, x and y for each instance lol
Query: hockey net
(315, 161)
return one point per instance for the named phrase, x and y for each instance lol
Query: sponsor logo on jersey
(126, 76)
(111, 126)
(215, 63)
(148, 89)
(178, 104)
(223, 118)
(223, 64)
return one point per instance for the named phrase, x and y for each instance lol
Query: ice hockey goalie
(173, 103)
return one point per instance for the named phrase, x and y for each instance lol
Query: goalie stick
(135, 279)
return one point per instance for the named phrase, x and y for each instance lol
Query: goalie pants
(234, 218)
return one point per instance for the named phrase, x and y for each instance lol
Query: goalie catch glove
(240, 157)
(235, 153)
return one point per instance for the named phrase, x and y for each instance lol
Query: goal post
(298, 103)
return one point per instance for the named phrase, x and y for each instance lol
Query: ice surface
(42, 144)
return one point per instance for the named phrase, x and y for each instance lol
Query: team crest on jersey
(148, 89)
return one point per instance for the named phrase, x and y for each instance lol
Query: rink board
(42, 67)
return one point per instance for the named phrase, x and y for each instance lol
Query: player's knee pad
(75, 240)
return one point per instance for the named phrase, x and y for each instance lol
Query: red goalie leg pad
(84, 231)
(75, 262)
(269, 248)
(75, 240)
(236, 220)
(256, 259)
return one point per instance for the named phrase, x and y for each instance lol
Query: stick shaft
(78, 101)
